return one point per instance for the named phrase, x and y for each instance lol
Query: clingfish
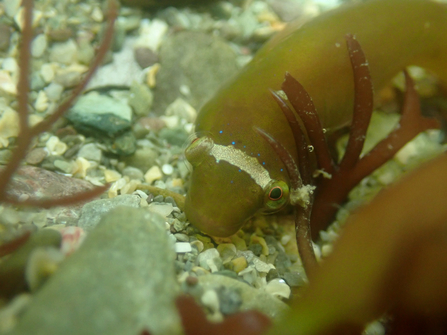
(236, 173)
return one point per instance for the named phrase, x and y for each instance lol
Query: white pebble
(10, 64)
(278, 288)
(39, 45)
(211, 300)
(182, 247)
(167, 169)
(47, 72)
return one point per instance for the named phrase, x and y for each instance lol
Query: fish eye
(275, 193)
(276, 196)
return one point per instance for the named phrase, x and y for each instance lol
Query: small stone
(47, 72)
(145, 57)
(54, 91)
(238, 242)
(93, 211)
(198, 244)
(210, 300)
(210, 260)
(36, 156)
(91, 152)
(182, 247)
(41, 103)
(141, 98)
(239, 264)
(278, 288)
(39, 45)
(133, 173)
(94, 112)
(160, 208)
(5, 35)
(7, 85)
(261, 266)
(256, 248)
(12, 7)
(111, 175)
(64, 52)
(182, 109)
(258, 239)
(55, 146)
(227, 252)
(60, 34)
(167, 169)
(64, 166)
(181, 237)
(9, 125)
(154, 173)
(294, 279)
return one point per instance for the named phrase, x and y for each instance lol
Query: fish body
(236, 174)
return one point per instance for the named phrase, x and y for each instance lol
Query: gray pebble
(121, 281)
(133, 173)
(91, 152)
(251, 298)
(95, 113)
(145, 57)
(5, 35)
(141, 99)
(93, 211)
(184, 56)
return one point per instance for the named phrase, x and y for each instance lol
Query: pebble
(167, 169)
(36, 156)
(210, 260)
(183, 57)
(64, 52)
(124, 68)
(91, 152)
(154, 173)
(93, 211)
(133, 173)
(141, 99)
(9, 125)
(5, 36)
(251, 297)
(227, 252)
(278, 288)
(239, 264)
(261, 266)
(145, 57)
(7, 85)
(54, 91)
(294, 279)
(39, 45)
(95, 112)
(182, 247)
(182, 109)
(107, 293)
(55, 146)
(161, 208)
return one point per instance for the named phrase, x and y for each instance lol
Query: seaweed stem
(27, 133)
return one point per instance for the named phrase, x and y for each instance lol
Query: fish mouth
(219, 226)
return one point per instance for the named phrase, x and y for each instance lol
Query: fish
(235, 173)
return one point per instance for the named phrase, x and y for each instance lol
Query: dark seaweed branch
(351, 170)
(27, 133)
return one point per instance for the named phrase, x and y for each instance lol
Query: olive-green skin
(393, 34)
